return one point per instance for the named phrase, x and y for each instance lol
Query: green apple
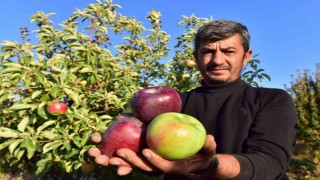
(175, 136)
(190, 63)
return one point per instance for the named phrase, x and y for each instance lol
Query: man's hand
(151, 162)
(96, 153)
(124, 167)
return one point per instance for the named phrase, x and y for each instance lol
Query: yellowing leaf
(45, 125)
(14, 145)
(35, 94)
(8, 133)
(6, 143)
(23, 124)
(21, 106)
(51, 146)
(86, 70)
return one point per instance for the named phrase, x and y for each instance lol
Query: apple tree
(92, 62)
(304, 89)
(82, 70)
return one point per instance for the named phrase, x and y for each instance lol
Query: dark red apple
(150, 102)
(57, 108)
(126, 132)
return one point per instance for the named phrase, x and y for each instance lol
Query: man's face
(221, 62)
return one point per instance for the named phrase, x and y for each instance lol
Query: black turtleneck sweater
(256, 125)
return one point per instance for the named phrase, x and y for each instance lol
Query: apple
(126, 132)
(190, 63)
(149, 102)
(57, 108)
(88, 167)
(83, 82)
(175, 136)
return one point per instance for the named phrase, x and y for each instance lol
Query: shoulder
(271, 93)
(272, 98)
(186, 94)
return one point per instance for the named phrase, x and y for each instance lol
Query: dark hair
(219, 30)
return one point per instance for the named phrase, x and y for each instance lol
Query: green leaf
(21, 106)
(14, 145)
(87, 69)
(74, 152)
(8, 133)
(31, 145)
(9, 70)
(63, 76)
(77, 141)
(105, 117)
(45, 125)
(20, 153)
(13, 65)
(49, 135)
(40, 77)
(23, 124)
(9, 44)
(6, 143)
(41, 165)
(72, 95)
(41, 112)
(52, 145)
(54, 90)
(35, 94)
(30, 129)
(68, 146)
(85, 138)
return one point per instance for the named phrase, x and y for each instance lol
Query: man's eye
(229, 52)
(206, 54)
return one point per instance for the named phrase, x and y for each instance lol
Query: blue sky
(285, 33)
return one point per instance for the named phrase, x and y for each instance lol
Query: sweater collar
(223, 88)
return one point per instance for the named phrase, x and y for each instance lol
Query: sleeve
(268, 149)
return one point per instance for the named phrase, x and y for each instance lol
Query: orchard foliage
(305, 90)
(93, 62)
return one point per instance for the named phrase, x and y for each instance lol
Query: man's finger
(117, 161)
(209, 147)
(102, 160)
(135, 160)
(163, 164)
(95, 137)
(94, 152)
(124, 170)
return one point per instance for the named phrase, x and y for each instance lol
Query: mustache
(218, 67)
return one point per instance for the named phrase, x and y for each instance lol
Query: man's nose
(218, 58)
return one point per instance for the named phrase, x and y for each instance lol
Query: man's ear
(246, 57)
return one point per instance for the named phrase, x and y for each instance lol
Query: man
(251, 131)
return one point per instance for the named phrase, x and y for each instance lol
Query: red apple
(126, 132)
(148, 103)
(57, 108)
(175, 136)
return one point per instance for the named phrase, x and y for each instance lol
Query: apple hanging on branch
(149, 102)
(190, 63)
(57, 108)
